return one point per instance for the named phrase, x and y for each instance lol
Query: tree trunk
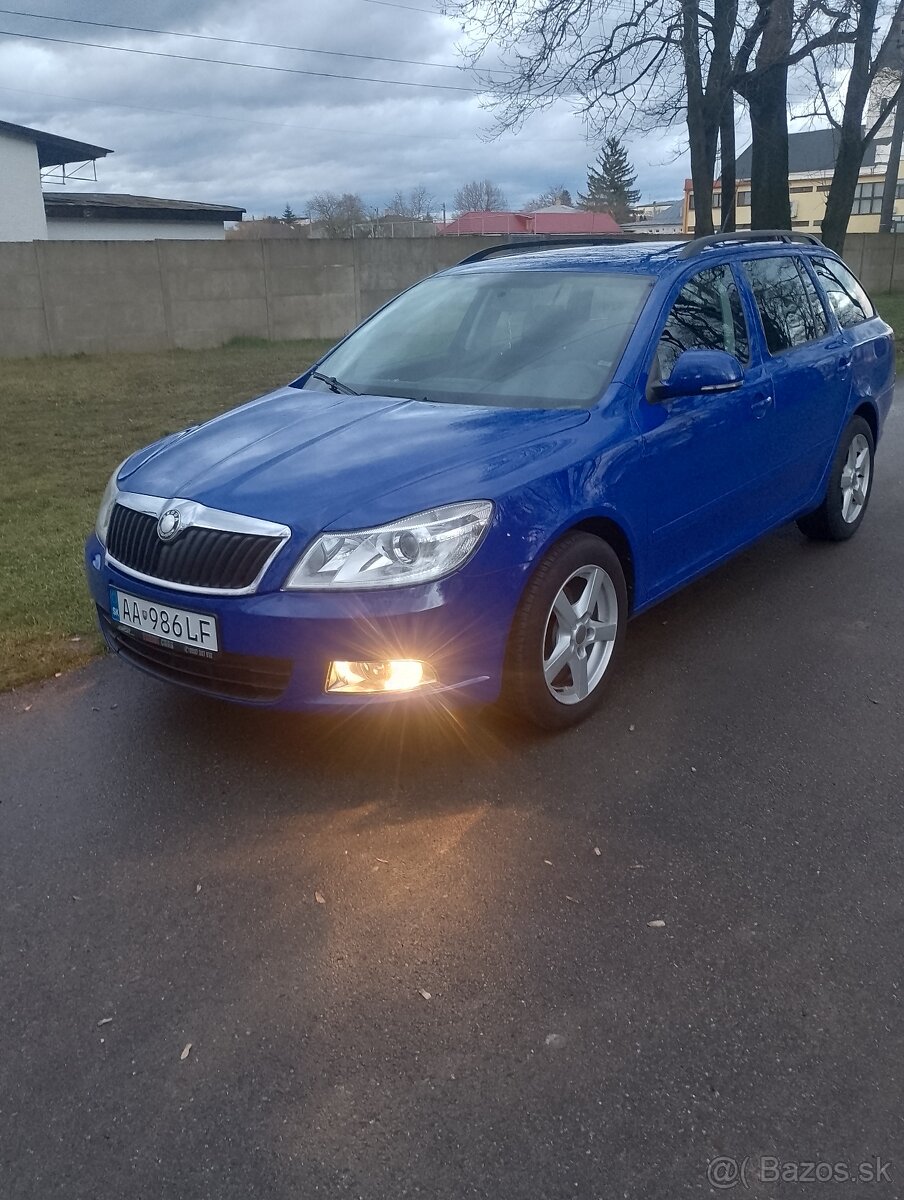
(766, 90)
(851, 144)
(767, 96)
(701, 133)
(727, 152)
(890, 192)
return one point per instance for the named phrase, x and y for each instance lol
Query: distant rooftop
(54, 151)
(810, 150)
(105, 206)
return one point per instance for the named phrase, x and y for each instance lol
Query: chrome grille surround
(197, 516)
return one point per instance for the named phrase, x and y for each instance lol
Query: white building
(28, 213)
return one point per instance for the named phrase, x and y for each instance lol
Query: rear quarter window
(846, 297)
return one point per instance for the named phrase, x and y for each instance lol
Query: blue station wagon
(467, 497)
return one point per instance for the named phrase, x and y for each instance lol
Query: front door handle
(760, 404)
(844, 362)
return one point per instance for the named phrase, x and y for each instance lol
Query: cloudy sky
(262, 138)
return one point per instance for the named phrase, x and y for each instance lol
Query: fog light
(393, 675)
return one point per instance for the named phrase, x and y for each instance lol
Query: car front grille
(199, 557)
(232, 676)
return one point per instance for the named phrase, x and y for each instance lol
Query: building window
(801, 189)
(867, 199)
(824, 187)
(717, 199)
(690, 201)
(799, 224)
(743, 199)
(899, 192)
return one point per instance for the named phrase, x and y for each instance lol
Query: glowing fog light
(393, 675)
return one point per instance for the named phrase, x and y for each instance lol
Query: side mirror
(700, 371)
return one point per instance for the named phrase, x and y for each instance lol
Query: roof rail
(698, 245)
(542, 243)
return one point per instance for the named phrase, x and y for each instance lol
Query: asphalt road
(161, 858)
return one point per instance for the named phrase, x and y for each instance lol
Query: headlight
(111, 491)
(414, 550)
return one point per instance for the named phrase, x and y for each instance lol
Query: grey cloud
(260, 139)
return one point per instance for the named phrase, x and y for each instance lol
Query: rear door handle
(760, 404)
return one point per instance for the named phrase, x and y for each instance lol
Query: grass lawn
(891, 307)
(65, 423)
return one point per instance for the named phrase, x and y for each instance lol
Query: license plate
(196, 631)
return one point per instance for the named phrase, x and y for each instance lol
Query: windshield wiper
(341, 389)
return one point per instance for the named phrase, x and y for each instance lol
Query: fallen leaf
(871, 700)
(656, 924)
(320, 898)
(75, 639)
(694, 769)
(548, 863)
(572, 899)
(636, 866)
(424, 993)
(630, 729)
(76, 897)
(104, 1021)
(383, 860)
(597, 851)
(27, 708)
(58, 674)
(185, 1053)
(197, 888)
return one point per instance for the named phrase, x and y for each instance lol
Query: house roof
(673, 215)
(54, 151)
(104, 206)
(811, 150)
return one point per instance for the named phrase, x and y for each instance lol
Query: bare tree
(415, 205)
(480, 195)
(871, 54)
(337, 214)
(557, 194)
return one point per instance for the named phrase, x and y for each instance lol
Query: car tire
(567, 633)
(850, 483)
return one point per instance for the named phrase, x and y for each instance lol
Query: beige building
(811, 158)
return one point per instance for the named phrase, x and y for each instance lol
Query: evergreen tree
(288, 215)
(610, 182)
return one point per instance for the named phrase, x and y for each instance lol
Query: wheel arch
(612, 532)
(870, 415)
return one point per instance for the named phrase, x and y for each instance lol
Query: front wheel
(850, 482)
(567, 632)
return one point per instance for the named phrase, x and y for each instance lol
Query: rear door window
(848, 301)
(788, 302)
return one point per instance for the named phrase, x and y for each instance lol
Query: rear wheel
(850, 482)
(567, 632)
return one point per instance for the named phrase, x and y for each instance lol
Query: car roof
(641, 258)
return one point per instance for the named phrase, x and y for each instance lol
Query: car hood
(304, 458)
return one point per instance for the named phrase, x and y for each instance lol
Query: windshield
(513, 338)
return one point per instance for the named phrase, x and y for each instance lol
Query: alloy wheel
(579, 637)
(855, 476)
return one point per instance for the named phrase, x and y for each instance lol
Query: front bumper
(460, 625)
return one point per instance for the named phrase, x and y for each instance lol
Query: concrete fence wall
(67, 297)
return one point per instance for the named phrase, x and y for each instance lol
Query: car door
(704, 454)
(810, 366)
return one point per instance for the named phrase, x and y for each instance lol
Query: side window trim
(832, 324)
